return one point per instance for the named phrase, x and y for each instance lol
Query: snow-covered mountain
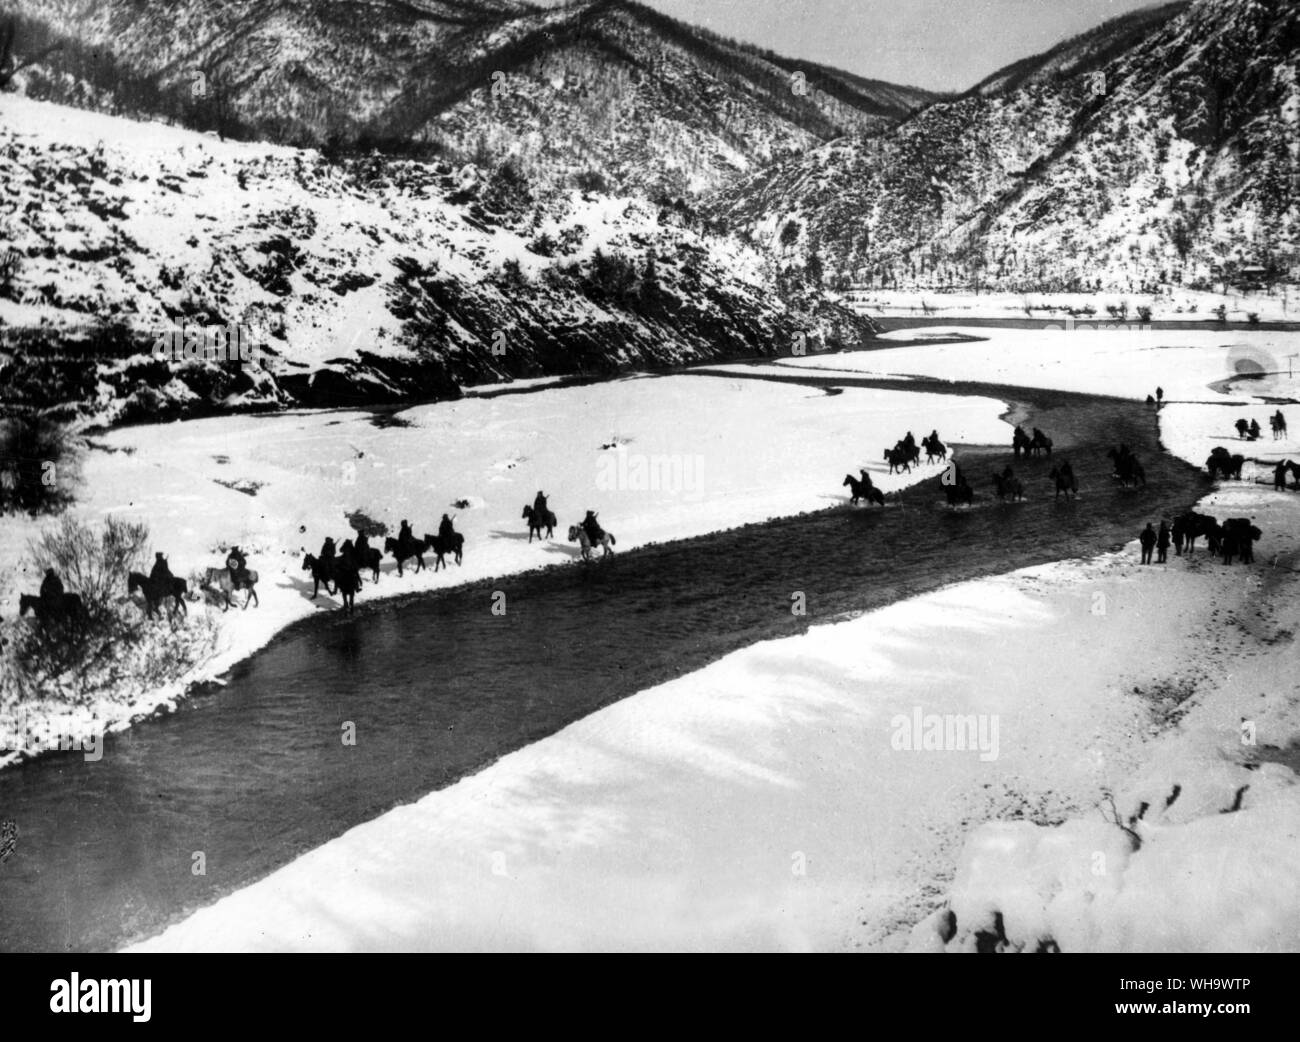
(605, 90)
(1161, 148)
(358, 281)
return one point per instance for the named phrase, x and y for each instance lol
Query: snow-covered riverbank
(659, 458)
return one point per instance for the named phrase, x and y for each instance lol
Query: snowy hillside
(358, 281)
(604, 87)
(1172, 160)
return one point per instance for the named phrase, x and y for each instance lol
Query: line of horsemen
(337, 567)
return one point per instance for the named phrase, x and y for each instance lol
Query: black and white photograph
(677, 476)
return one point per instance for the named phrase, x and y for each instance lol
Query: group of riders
(1252, 431)
(590, 524)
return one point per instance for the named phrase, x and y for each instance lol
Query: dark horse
(322, 571)
(1239, 537)
(898, 459)
(347, 580)
(1020, 442)
(934, 449)
(1012, 487)
(1278, 422)
(1127, 468)
(367, 560)
(956, 488)
(1065, 482)
(155, 593)
(537, 523)
(861, 490)
(404, 551)
(453, 544)
(1220, 462)
(1040, 442)
(68, 609)
(1190, 526)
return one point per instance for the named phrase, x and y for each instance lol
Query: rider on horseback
(539, 505)
(404, 536)
(327, 549)
(592, 527)
(866, 478)
(445, 529)
(237, 565)
(909, 443)
(161, 575)
(363, 545)
(52, 591)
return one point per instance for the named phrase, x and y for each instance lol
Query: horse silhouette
(1012, 486)
(69, 608)
(405, 550)
(1065, 482)
(898, 458)
(861, 490)
(157, 592)
(1040, 442)
(322, 571)
(368, 560)
(1239, 537)
(934, 449)
(1220, 462)
(578, 534)
(536, 523)
(453, 544)
(1278, 423)
(1127, 468)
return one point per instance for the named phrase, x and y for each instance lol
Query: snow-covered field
(1171, 305)
(1131, 363)
(687, 456)
(771, 800)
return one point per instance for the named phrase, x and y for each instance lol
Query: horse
(1012, 487)
(1127, 468)
(218, 579)
(1065, 482)
(898, 458)
(958, 494)
(1040, 443)
(69, 608)
(347, 580)
(454, 544)
(1190, 526)
(861, 490)
(1219, 462)
(536, 523)
(404, 551)
(934, 449)
(1278, 422)
(368, 560)
(1020, 442)
(578, 534)
(322, 571)
(1239, 537)
(154, 594)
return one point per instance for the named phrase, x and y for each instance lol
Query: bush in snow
(117, 650)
